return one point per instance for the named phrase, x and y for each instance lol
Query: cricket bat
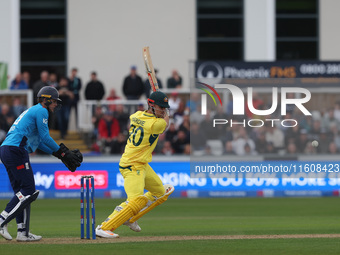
(149, 69)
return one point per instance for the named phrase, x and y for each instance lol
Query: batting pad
(168, 190)
(132, 208)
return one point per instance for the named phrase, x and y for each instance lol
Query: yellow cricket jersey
(143, 137)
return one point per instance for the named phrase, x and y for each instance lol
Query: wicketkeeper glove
(71, 159)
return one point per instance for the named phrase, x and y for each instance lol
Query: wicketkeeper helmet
(49, 93)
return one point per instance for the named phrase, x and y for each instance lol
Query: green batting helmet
(159, 98)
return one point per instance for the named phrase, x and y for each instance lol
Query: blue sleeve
(12, 85)
(44, 148)
(42, 125)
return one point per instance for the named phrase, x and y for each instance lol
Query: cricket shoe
(133, 226)
(105, 233)
(4, 233)
(21, 237)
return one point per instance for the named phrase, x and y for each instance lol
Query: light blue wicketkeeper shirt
(30, 130)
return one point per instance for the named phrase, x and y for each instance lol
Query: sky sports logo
(239, 103)
(71, 180)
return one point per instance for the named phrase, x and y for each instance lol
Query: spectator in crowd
(228, 148)
(290, 108)
(336, 111)
(185, 126)
(53, 80)
(187, 149)
(258, 104)
(220, 129)
(39, 84)
(133, 86)
(112, 97)
(270, 148)
(292, 134)
(18, 83)
(230, 106)
(179, 114)
(63, 114)
(275, 135)
(179, 142)
(328, 119)
(18, 107)
(325, 139)
(228, 134)
(167, 149)
(291, 148)
(305, 122)
(108, 130)
(3, 134)
(75, 85)
(314, 133)
(310, 149)
(175, 81)
(198, 139)
(122, 117)
(147, 86)
(6, 117)
(141, 107)
(240, 142)
(193, 102)
(197, 115)
(118, 146)
(302, 140)
(207, 150)
(207, 127)
(171, 133)
(174, 102)
(248, 150)
(334, 134)
(26, 76)
(95, 89)
(261, 142)
(97, 116)
(332, 149)
(289, 122)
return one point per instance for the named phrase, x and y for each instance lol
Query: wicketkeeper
(29, 132)
(145, 127)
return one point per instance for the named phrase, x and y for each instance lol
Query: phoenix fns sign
(238, 101)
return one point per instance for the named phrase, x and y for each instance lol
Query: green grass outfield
(242, 225)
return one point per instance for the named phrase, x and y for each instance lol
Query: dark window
(43, 37)
(220, 7)
(42, 7)
(43, 28)
(297, 35)
(220, 29)
(296, 6)
(297, 50)
(42, 52)
(220, 50)
(296, 27)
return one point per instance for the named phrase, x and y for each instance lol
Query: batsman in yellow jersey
(145, 127)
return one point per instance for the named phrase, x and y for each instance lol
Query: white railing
(86, 107)
(20, 92)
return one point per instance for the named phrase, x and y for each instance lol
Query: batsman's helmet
(159, 98)
(49, 93)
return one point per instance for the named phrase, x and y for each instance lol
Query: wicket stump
(83, 189)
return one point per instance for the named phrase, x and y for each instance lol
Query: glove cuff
(61, 152)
